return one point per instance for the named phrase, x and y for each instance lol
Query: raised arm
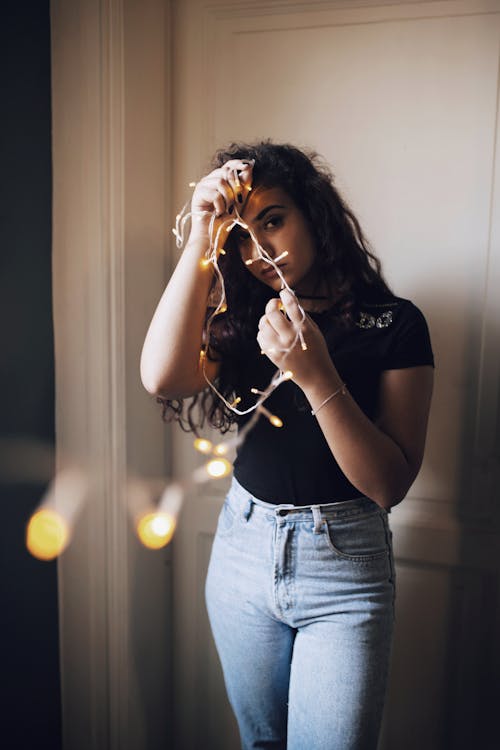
(171, 352)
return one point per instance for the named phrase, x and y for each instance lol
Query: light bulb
(155, 530)
(221, 449)
(275, 421)
(218, 468)
(202, 445)
(47, 534)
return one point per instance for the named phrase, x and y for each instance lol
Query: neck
(311, 296)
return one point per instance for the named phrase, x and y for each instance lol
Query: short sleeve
(410, 344)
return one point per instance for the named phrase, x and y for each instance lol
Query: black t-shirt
(294, 464)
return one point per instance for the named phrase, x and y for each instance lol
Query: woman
(300, 587)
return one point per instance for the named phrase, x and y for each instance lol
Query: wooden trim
(102, 51)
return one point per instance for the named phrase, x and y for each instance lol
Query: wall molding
(88, 252)
(102, 50)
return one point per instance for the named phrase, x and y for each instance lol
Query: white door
(402, 100)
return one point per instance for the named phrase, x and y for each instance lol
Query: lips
(270, 271)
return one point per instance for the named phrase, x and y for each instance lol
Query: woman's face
(278, 225)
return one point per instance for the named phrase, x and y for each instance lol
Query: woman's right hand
(222, 189)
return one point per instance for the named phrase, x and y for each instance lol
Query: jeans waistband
(248, 504)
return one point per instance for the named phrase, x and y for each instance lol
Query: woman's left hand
(277, 332)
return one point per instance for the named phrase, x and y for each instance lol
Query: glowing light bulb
(155, 530)
(249, 262)
(202, 445)
(287, 375)
(221, 449)
(303, 346)
(222, 251)
(192, 184)
(218, 468)
(205, 262)
(236, 401)
(47, 534)
(223, 309)
(275, 421)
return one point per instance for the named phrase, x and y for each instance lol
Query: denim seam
(351, 558)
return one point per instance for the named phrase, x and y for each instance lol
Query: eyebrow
(265, 210)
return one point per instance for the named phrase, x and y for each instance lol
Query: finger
(209, 195)
(238, 180)
(273, 304)
(275, 312)
(234, 183)
(291, 306)
(221, 195)
(283, 327)
(265, 325)
(267, 342)
(239, 175)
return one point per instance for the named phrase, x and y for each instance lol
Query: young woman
(300, 587)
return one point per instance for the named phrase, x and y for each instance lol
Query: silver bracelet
(342, 390)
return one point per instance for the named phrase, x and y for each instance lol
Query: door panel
(402, 101)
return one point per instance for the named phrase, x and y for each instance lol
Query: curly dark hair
(344, 259)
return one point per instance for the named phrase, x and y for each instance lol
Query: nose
(267, 245)
(251, 253)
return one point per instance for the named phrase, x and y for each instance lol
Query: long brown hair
(344, 258)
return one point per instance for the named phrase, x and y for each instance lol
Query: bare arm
(381, 459)
(170, 359)
(171, 351)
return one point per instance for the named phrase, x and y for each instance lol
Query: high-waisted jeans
(301, 605)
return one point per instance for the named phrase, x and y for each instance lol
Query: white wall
(402, 100)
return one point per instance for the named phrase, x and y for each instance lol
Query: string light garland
(155, 512)
(216, 248)
(155, 529)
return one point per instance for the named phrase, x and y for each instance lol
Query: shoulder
(395, 308)
(406, 337)
(391, 313)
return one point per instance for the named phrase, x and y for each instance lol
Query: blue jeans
(301, 604)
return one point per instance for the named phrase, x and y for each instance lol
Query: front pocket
(227, 519)
(360, 538)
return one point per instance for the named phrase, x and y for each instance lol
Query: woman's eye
(273, 222)
(242, 237)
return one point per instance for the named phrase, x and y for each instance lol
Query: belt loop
(318, 522)
(247, 510)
